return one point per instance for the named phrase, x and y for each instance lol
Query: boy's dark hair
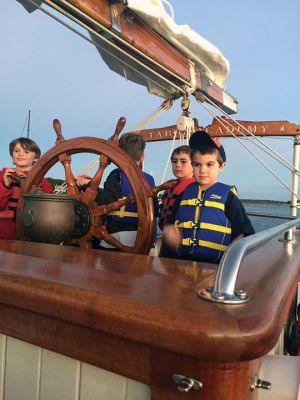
(26, 144)
(208, 150)
(134, 144)
(181, 149)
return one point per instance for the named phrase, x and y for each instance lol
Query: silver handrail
(223, 289)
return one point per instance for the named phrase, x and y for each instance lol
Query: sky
(49, 70)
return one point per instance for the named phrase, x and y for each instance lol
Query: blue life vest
(129, 212)
(205, 229)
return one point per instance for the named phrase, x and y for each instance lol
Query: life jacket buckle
(189, 242)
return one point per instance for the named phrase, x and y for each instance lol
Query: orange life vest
(168, 199)
(10, 211)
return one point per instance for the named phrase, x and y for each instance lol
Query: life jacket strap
(198, 202)
(213, 227)
(169, 195)
(189, 242)
(214, 204)
(123, 214)
(203, 225)
(212, 245)
(7, 214)
(186, 224)
(204, 243)
(191, 202)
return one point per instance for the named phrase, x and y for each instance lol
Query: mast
(295, 178)
(28, 124)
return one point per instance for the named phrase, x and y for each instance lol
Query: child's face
(22, 158)
(206, 169)
(182, 166)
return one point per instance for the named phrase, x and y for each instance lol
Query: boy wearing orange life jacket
(183, 170)
(24, 152)
(209, 215)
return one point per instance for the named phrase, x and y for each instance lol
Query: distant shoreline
(256, 201)
(58, 182)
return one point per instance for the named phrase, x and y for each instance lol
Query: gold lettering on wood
(252, 128)
(264, 128)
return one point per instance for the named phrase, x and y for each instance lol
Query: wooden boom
(135, 43)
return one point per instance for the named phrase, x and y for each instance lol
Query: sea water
(265, 222)
(271, 211)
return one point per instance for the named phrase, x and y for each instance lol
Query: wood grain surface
(104, 307)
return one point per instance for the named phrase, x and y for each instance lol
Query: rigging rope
(185, 127)
(170, 8)
(168, 159)
(247, 148)
(117, 37)
(264, 147)
(166, 105)
(25, 123)
(107, 41)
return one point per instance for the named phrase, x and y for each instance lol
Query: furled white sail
(204, 54)
(206, 57)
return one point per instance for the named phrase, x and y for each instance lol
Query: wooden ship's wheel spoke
(91, 192)
(88, 215)
(110, 239)
(113, 206)
(65, 159)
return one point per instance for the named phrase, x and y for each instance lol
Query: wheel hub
(82, 220)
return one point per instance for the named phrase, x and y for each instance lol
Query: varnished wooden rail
(141, 316)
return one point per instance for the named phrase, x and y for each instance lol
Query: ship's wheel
(89, 214)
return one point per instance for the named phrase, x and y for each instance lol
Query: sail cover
(29, 6)
(203, 53)
(207, 59)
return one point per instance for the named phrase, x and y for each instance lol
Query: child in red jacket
(183, 170)
(24, 152)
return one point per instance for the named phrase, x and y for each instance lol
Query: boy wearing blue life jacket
(123, 223)
(208, 216)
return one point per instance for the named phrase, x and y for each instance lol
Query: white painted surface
(28, 372)
(283, 372)
(60, 377)
(21, 370)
